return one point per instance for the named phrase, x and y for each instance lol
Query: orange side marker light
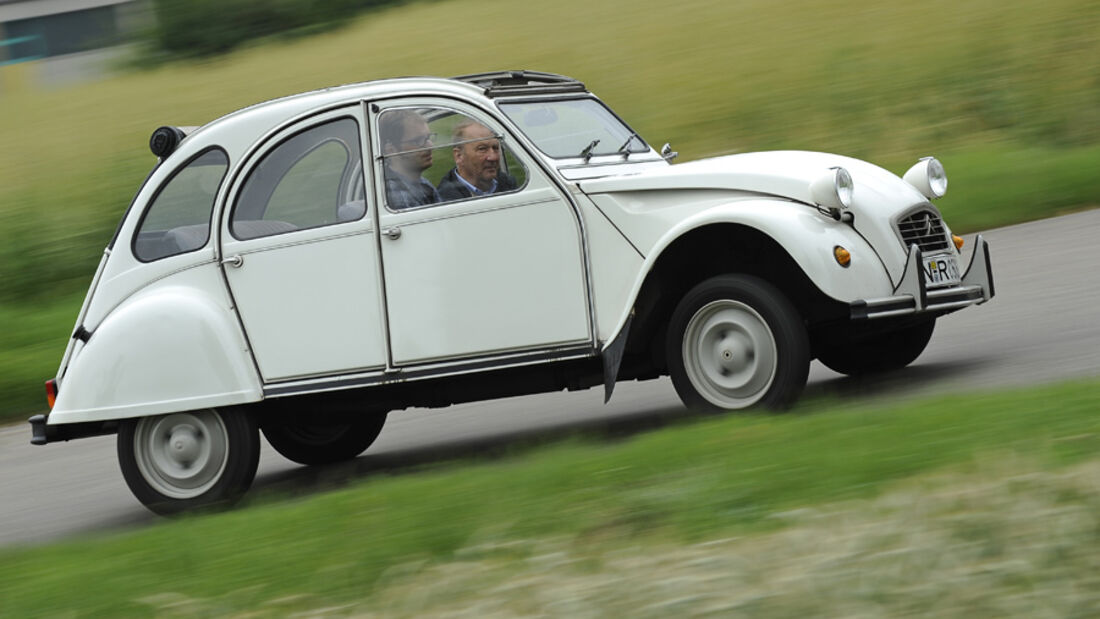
(843, 257)
(51, 392)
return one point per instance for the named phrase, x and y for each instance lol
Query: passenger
(407, 146)
(477, 164)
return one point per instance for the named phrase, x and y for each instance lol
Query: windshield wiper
(623, 149)
(586, 154)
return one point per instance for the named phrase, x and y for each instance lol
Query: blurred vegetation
(725, 478)
(1006, 93)
(191, 28)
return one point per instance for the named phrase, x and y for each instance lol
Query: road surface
(1043, 326)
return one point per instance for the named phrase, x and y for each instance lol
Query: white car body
(434, 305)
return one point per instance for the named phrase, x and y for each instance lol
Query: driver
(477, 169)
(407, 146)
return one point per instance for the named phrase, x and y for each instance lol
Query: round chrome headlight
(928, 177)
(833, 189)
(844, 187)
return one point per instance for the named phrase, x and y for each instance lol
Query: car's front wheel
(880, 352)
(190, 460)
(735, 341)
(311, 444)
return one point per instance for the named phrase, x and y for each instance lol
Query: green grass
(992, 188)
(701, 480)
(1008, 539)
(31, 353)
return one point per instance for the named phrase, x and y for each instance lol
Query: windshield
(574, 128)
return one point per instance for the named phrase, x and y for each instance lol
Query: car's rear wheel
(190, 460)
(734, 341)
(881, 352)
(311, 444)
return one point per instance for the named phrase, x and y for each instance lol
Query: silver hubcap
(181, 455)
(729, 354)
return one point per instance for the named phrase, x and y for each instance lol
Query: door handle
(394, 233)
(234, 261)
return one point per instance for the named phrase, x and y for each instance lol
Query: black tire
(879, 353)
(191, 460)
(313, 444)
(758, 353)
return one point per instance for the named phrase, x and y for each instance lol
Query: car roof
(239, 129)
(491, 84)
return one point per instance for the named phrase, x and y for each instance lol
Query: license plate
(941, 271)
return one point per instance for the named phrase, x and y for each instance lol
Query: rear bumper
(42, 433)
(912, 296)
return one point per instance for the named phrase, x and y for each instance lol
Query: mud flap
(612, 357)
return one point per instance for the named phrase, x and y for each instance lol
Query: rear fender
(173, 346)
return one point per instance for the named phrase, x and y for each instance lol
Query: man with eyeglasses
(477, 164)
(407, 149)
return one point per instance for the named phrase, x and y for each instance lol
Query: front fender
(807, 236)
(173, 346)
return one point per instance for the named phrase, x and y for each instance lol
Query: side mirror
(667, 153)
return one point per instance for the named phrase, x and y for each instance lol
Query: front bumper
(912, 296)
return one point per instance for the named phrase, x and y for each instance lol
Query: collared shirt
(454, 187)
(402, 193)
(473, 188)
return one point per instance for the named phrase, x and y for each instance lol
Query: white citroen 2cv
(304, 266)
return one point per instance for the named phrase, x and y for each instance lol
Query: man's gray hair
(458, 134)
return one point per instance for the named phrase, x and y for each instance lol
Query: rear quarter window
(177, 220)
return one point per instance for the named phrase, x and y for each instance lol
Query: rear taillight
(51, 392)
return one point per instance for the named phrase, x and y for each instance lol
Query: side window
(178, 219)
(437, 155)
(309, 180)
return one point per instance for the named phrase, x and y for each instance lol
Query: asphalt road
(1043, 326)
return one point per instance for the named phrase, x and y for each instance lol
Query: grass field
(959, 506)
(1006, 95)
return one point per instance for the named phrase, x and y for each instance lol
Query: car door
(493, 274)
(300, 254)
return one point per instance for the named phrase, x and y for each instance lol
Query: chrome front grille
(925, 230)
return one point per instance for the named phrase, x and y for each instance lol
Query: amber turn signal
(51, 392)
(958, 241)
(843, 258)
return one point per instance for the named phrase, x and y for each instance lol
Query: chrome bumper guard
(912, 296)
